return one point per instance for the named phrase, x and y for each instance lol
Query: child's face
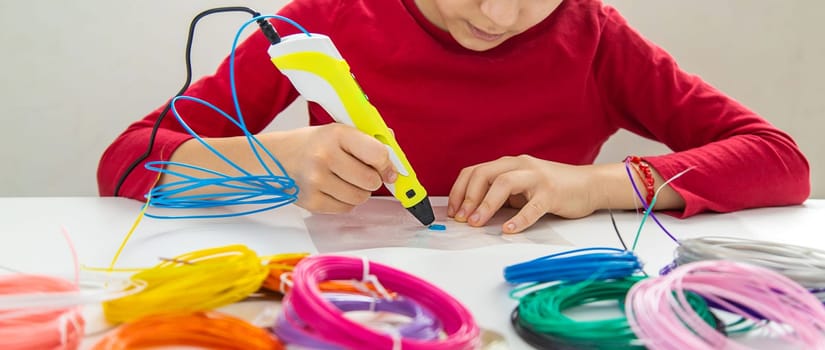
(481, 25)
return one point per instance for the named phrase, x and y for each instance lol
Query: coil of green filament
(540, 317)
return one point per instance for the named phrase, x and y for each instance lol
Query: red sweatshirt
(557, 92)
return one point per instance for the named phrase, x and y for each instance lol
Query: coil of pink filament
(45, 327)
(658, 311)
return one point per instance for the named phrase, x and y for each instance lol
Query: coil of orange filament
(207, 329)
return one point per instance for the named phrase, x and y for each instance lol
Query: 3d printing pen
(320, 74)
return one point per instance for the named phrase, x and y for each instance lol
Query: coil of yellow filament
(196, 281)
(208, 329)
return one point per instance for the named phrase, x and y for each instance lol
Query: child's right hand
(335, 166)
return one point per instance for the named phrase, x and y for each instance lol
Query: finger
(503, 187)
(344, 191)
(456, 196)
(322, 203)
(479, 182)
(526, 217)
(370, 152)
(353, 171)
(517, 201)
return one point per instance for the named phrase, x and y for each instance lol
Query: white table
(466, 262)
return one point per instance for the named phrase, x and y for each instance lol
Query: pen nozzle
(423, 211)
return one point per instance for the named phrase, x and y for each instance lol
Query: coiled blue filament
(575, 265)
(270, 190)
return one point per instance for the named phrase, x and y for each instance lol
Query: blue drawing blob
(437, 227)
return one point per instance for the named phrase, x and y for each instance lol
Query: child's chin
(478, 45)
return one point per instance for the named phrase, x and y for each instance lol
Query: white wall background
(74, 74)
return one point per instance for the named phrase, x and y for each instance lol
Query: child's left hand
(534, 185)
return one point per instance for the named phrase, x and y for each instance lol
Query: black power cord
(266, 28)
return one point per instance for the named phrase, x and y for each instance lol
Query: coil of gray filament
(804, 265)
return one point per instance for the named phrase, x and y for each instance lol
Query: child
(494, 102)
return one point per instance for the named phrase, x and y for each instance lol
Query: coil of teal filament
(540, 317)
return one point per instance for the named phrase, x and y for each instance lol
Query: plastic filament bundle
(280, 280)
(421, 325)
(660, 315)
(541, 321)
(575, 265)
(804, 265)
(329, 324)
(209, 329)
(539, 318)
(280, 267)
(39, 327)
(196, 281)
(268, 191)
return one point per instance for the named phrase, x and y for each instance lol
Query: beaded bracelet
(646, 175)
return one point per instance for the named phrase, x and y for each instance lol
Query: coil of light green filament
(542, 311)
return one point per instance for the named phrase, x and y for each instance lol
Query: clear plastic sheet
(385, 223)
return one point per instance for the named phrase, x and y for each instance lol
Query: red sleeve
(740, 159)
(263, 92)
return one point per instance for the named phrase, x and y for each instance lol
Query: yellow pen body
(320, 74)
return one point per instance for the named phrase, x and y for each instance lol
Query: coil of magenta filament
(420, 323)
(321, 315)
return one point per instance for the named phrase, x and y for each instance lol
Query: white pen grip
(316, 89)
